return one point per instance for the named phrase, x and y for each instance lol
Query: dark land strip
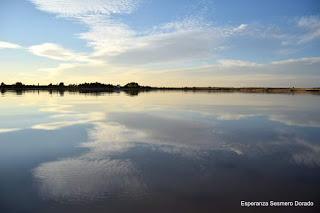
(134, 88)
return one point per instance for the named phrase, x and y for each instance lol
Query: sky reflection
(151, 149)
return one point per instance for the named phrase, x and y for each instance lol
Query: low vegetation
(133, 88)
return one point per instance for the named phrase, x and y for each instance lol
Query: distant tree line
(134, 88)
(96, 86)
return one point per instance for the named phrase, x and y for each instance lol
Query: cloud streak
(56, 52)
(8, 45)
(75, 8)
(311, 24)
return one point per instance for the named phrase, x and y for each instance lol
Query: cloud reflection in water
(215, 137)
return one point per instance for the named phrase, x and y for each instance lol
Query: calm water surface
(157, 151)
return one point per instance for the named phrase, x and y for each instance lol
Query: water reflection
(83, 179)
(161, 151)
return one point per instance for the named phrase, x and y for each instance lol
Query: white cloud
(74, 8)
(117, 44)
(107, 36)
(8, 45)
(179, 41)
(307, 29)
(59, 53)
(294, 65)
(310, 22)
(298, 67)
(307, 60)
(171, 47)
(4, 130)
(168, 47)
(240, 28)
(298, 31)
(236, 63)
(55, 52)
(187, 24)
(312, 26)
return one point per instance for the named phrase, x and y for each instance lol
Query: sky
(161, 42)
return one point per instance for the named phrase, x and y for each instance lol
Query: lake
(157, 151)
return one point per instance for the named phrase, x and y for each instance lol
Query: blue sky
(173, 43)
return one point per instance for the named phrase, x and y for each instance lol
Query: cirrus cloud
(8, 45)
(312, 26)
(74, 8)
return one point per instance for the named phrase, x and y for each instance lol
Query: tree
(132, 85)
(19, 84)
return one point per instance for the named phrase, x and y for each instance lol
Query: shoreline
(265, 90)
(134, 87)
